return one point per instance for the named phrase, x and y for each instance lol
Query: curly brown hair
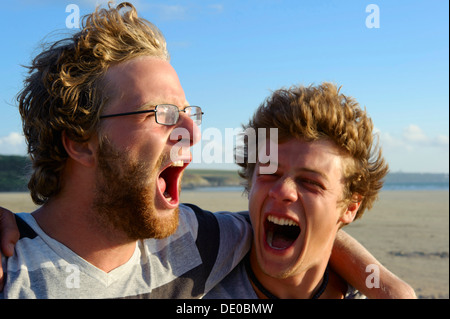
(65, 92)
(321, 112)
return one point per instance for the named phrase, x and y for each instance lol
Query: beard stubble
(125, 196)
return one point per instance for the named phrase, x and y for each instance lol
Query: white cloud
(413, 150)
(415, 135)
(412, 137)
(387, 140)
(440, 140)
(13, 144)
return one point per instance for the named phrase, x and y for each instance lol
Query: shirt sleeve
(234, 236)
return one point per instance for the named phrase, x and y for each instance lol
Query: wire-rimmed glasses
(167, 114)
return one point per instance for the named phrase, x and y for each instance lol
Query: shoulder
(25, 230)
(338, 288)
(198, 218)
(30, 241)
(34, 264)
(234, 286)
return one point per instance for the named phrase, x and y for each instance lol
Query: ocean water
(386, 187)
(416, 186)
(215, 189)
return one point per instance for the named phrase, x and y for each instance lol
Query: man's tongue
(162, 186)
(281, 237)
(277, 240)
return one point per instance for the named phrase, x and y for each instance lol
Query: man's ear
(83, 153)
(352, 208)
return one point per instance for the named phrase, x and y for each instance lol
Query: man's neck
(73, 226)
(301, 286)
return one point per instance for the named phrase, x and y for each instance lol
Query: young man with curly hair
(328, 172)
(109, 132)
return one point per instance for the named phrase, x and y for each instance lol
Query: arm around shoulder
(356, 265)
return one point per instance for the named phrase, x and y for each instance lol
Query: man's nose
(186, 130)
(284, 190)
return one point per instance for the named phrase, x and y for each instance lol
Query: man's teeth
(179, 163)
(281, 232)
(167, 196)
(281, 221)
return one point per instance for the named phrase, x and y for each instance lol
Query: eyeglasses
(167, 114)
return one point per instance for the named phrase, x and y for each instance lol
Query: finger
(9, 233)
(1, 277)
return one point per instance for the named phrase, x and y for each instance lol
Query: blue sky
(230, 55)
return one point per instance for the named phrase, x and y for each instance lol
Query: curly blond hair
(64, 91)
(321, 112)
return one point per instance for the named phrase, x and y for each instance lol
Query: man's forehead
(144, 81)
(308, 156)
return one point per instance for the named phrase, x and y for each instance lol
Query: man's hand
(9, 235)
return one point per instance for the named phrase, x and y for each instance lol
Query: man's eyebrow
(145, 106)
(312, 171)
(151, 105)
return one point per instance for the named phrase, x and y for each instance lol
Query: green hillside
(14, 173)
(209, 178)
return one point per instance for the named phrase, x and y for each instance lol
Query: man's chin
(167, 225)
(125, 197)
(158, 225)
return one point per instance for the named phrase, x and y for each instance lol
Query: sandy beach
(408, 231)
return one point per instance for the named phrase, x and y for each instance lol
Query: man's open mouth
(169, 181)
(280, 232)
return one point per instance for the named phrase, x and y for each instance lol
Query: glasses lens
(167, 114)
(195, 113)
